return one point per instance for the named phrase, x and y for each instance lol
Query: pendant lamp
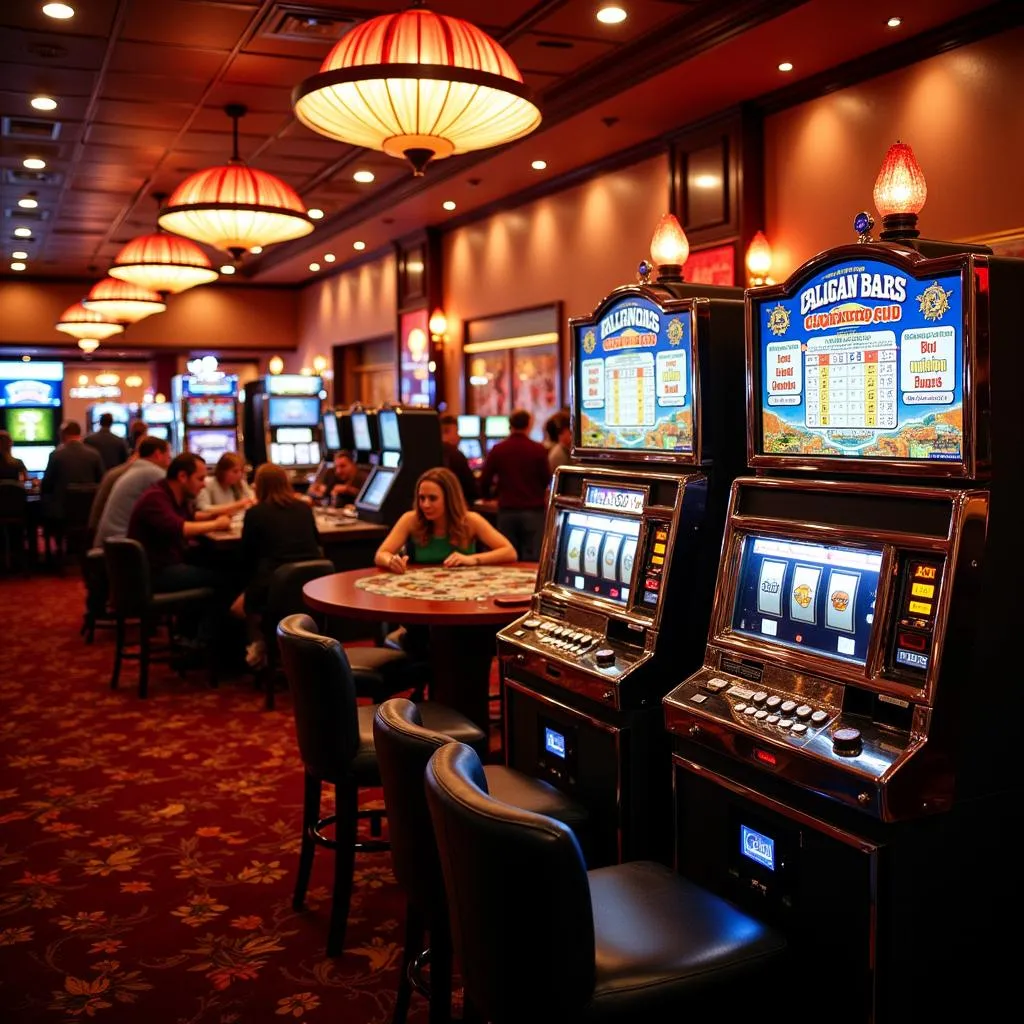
(166, 264)
(80, 322)
(126, 303)
(235, 207)
(417, 85)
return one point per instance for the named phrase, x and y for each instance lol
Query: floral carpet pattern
(148, 848)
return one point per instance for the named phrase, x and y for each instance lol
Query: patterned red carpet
(148, 849)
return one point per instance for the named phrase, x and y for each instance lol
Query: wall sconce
(275, 365)
(438, 325)
(319, 365)
(759, 261)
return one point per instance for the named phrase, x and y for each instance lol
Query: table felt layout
(465, 583)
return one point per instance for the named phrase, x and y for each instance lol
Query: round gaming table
(476, 602)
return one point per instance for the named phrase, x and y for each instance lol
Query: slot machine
(365, 435)
(121, 412)
(627, 563)
(206, 407)
(31, 403)
(843, 761)
(159, 420)
(471, 440)
(410, 443)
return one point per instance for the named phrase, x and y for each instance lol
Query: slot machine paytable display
(626, 570)
(843, 761)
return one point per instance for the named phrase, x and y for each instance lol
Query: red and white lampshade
(123, 302)
(163, 263)
(80, 322)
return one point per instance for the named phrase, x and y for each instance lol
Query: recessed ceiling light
(316, 214)
(256, 250)
(785, 66)
(227, 269)
(28, 202)
(22, 232)
(314, 267)
(19, 255)
(43, 103)
(33, 163)
(448, 204)
(59, 11)
(18, 266)
(359, 246)
(611, 15)
(894, 22)
(364, 177)
(539, 165)
(329, 257)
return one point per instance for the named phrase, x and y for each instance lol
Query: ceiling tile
(555, 54)
(255, 68)
(143, 115)
(147, 58)
(43, 50)
(121, 85)
(181, 23)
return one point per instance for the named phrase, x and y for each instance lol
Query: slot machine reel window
(294, 411)
(597, 554)
(361, 432)
(390, 438)
(814, 597)
(210, 411)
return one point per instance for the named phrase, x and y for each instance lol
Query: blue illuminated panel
(554, 742)
(757, 847)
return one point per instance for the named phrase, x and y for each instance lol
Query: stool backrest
(518, 897)
(404, 748)
(284, 595)
(13, 501)
(323, 697)
(127, 576)
(78, 499)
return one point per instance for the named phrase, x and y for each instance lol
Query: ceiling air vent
(20, 176)
(36, 216)
(307, 24)
(555, 44)
(32, 128)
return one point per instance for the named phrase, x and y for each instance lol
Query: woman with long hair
(10, 467)
(440, 530)
(226, 492)
(278, 529)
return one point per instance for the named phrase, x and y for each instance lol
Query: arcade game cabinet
(207, 409)
(31, 400)
(283, 422)
(627, 565)
(410, 443)
(844, 761)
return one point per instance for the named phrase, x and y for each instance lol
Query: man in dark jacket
(113, 449)
(71, 463)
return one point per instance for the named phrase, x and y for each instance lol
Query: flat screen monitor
(470, 447)
(282, 454)
(120, 429)
(805, 596)
(35, 457)
(116, 409)
(861, 362)
(634, 379)
(210, 411)
(32, 383)
(332, 435)
(161, 430)
(596, 555)
(376, 487)
(491, 442)
(158, 412)
(32, 426)
(210, 445)
(390, 440)
(496, 426)
(294, 435)
(361, 432)
(294, 412)
(469, 426)
(294, 384)
(390, 459)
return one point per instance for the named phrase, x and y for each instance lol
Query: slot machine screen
(596, 554)
(491, 442)
(469, 426)
(390, 460)
(470, 447)
(35, 457)
(376, 488)
(496, 427)
(210, 445)
(294, 411)
(862, 362)
(332, 436)
(120, 429)
(361, 432)
(34, 383)
(390, 440)
(160, 430)
(32, 426)
(634, 379)
(158, 412)
(805, 596)
(210, 411)
(282, 454)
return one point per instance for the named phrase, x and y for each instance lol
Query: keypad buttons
(818, 717)
(788, 707)
(773, 701)
(760, 697)
(798, 729)
(804, 711)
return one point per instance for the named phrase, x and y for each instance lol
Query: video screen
(210, 411)
(813, 597)
(387, 421)
(33, 383)
(294, 435)
(470, 447)
(159, 430)
(596, 554)
(210, 445)
(119, 429)
(491, 442)
(361, 432)
(376, 488)
(282, 454)
(496, 426)
(35, 457)
(294, 412)
(469, 426)
(390, 459)
(332, 436)
(158, 412)
(116, 409)
(32, 426)
(293, 384)
(634, 379)
(862, 362)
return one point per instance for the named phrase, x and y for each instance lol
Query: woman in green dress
(440, 530)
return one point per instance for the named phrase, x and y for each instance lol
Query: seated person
(163, 522)
(340, 482)
(10, 467)
(147, 467)
(440, 530)
(278, 529)
(227, 491)
(71, 463)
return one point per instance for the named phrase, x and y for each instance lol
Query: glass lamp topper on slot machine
(633, 525)
(848, 742)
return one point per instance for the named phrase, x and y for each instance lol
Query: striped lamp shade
(417, 85)
(163, 263)
(80, 322)
(123, 302)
